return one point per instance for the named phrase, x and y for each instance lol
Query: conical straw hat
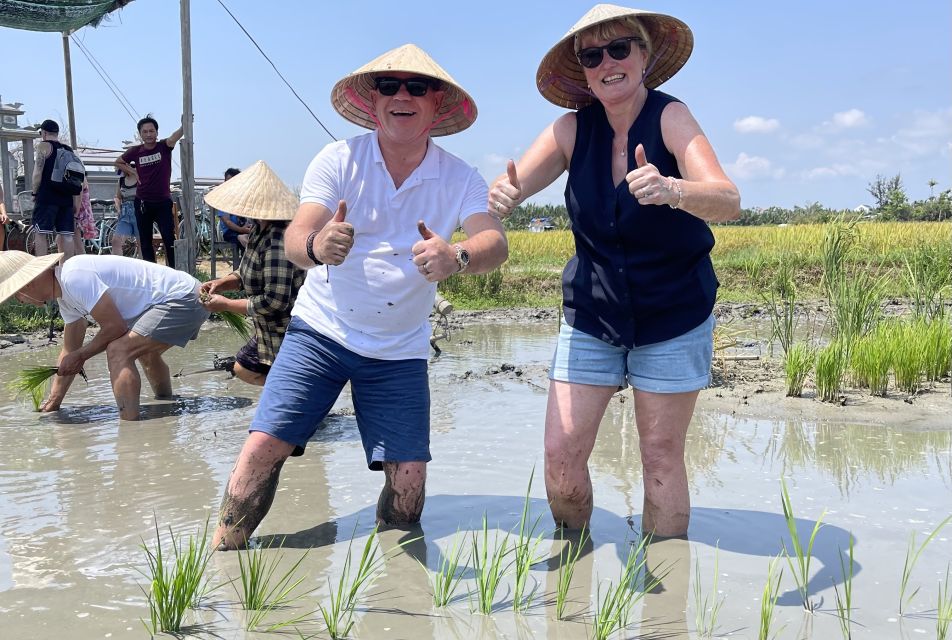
(351, 96)
(18, 269)
(561, 78)
(257, 193)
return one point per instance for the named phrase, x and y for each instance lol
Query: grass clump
(446, 579)
(525, 554)
(338, 615)
(912, 557)
(844, 601)
(907, 356)
(800, 562)
(489, 565)
(937, 347)
(768, 601)
(263, 589)
(568, 558)
(797, 364)
(706, 607)
(870, 358)
(830, 363)
(613, 610)
(176, 583)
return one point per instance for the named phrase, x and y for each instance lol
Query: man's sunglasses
(591, 57)
(416, 87)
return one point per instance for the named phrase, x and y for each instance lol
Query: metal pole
(187, 150)
(69, 90)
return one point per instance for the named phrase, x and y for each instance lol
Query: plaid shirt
(271, 283)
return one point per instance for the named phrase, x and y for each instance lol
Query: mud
(80, 493)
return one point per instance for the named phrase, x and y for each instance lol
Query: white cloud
(850, 119)
(807, 141)
(756, 124)
(753, 167)
(833, 171)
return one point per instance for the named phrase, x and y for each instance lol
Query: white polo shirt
(376, 303)
(134, 285)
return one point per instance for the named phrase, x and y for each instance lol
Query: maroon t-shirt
(154, 167)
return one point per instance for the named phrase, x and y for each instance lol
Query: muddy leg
(663, 420)
(157, 373)
(571, 425)
(404, 490)
(250, 489)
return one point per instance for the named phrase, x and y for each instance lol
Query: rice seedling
(855, 304)
(830, 363)
(943, 608)
(768, 601)
(706, 607)
(525, 554)
(177, 583)
(445, 580)
(839, 239)
(907, 357)
(781, 306)
(568, 557)
(937, 347)
(489, 565)
(844, 601)
(338, 615)
(912, 557)
(32, 381)
(237, 322)
(926, 279)
(612, 612)
(869, 360)
(797, 363)
(800, 563)
(263, 589)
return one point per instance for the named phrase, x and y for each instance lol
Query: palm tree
(932, 184)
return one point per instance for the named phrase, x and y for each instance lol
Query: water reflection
(80, 491)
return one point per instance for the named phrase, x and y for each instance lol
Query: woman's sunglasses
(416, 87)
(591, 57)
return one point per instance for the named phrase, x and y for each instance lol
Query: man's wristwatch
(462, 258)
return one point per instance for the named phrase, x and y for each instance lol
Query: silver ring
(426, 268)
(497, 205)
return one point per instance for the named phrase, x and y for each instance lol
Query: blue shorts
(673, 366)
(391, 397)
(54, 218)
(126, 224)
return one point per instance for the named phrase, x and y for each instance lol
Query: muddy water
(79, 493)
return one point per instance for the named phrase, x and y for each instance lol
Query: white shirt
(376, 303)
(134, 285)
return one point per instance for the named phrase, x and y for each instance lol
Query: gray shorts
(174, 322)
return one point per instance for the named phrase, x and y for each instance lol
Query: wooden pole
(186, 150)
(69, 90)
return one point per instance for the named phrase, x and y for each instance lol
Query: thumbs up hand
(336, 239)
(432, 256)
(647, 184)
(506, 193)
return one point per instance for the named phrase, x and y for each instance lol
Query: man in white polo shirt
(374, 227)
(142, 309)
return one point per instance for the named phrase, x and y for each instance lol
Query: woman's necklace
(624, 147)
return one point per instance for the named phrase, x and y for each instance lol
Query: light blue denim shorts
(674, 366)
(126, 224)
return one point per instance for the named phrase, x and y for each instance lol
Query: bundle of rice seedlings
(32, 381)
(237, 322)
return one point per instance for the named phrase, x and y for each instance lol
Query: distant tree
(932, 184)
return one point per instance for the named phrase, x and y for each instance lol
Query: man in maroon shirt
(153, 164)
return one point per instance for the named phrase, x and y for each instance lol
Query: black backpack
(68, 172)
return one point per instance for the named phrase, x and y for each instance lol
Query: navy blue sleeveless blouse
(640, 274)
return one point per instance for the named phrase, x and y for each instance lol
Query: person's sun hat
(351, 96)
(257, 193)
(561, 78)
(18, 269)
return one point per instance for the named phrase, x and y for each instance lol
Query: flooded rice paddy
(80, 493)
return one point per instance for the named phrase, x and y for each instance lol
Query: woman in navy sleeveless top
(638, 295)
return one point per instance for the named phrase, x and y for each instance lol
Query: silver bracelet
(677, 184)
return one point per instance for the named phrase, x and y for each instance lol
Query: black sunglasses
(591, 57)
(416, 87)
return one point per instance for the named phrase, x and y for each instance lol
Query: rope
(273, 66)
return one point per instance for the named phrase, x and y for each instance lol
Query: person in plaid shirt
(267, 277)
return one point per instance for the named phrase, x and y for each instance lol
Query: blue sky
(803, 101)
